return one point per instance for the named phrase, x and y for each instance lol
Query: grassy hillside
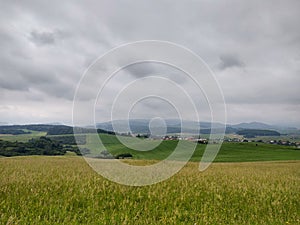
(65, 190)
(230, 152)
(22, 137)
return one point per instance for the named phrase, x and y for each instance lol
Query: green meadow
(229, 152)
(22, 137)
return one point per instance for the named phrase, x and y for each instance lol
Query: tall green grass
(65, 190)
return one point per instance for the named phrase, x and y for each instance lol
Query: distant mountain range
(141, 126)
(174, 126)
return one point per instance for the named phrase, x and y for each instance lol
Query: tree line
(40, 146)
(50, 129)
(252, 133)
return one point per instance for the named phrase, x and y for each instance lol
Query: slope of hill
(173, 126)
(253, 125)
(229, 152)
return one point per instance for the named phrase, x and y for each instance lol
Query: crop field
(65, 190)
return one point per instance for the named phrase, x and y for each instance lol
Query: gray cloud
(228, 61)
(139, 70)
(16, 84)
(42, 38)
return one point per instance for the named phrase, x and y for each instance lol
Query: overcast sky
(253, 48)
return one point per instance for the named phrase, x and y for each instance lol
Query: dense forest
(69, 139)
(49, 129)
(13, 131)
(61, 129)
(19, 129)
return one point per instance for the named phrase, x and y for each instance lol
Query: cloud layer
(253, 48)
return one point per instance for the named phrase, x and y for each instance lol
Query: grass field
(65, 190)
(230, 152)
(22, 137)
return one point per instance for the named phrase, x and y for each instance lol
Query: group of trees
(69, 139)
(62, 129)
(24, 129)
(12, 131)
(50, 129)
(41, 146)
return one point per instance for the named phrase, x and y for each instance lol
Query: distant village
(237, 139)
(274, 142)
